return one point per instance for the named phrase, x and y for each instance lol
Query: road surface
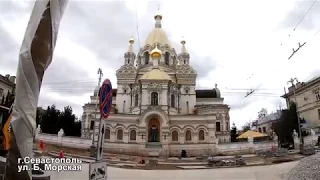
(274, 172)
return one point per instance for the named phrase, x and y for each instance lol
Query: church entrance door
(154, 130)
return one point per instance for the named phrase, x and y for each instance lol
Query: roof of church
(207, 93)
(156, 74)
(157, 35)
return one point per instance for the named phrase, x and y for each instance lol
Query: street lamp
(291, 81)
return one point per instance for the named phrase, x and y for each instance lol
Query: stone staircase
(153, 149)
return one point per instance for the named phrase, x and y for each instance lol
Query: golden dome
(158, 14)
(131, 40)
(156, 74)
(157, 35)
(155, 53)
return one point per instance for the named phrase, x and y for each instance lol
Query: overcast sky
(236, 44)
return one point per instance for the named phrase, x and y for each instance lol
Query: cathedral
(157, 110)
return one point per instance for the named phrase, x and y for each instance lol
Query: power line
(300, 21)
(305, 15)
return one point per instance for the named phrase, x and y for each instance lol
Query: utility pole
(93, 147)
(291, 81)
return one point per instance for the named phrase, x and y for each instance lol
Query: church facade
(157, 110)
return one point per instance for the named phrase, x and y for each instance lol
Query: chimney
(7, 76)
(12, 79)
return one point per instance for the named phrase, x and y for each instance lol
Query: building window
(188, 135)
(184, 62)
(201, 135)
(218, 127)
(91, 125)
(107, 135)
(187, 105)
(128, 61)
(173, 100)
(175, 136)
(187, 91)
(154, 99)
(167, 58)
(264, 129)
(119, 134)
(259, 129)
(124, 106)
(227, 126)
(319, 114)
(146, 57)
(1, 93)
(136, 100)
(318, 97)
(133, 134)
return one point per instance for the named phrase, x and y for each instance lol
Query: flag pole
(35, 56)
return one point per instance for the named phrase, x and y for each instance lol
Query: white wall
(82, 143)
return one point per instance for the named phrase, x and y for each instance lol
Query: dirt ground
(258, 160)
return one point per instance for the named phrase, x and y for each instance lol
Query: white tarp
(31, 67)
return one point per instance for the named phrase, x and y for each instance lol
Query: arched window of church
(146, 57)
(119, 134)
(201, 135)
(128, 61)
(154, 99)
(136, 100)
(184, 62)
(107, 134)
(172, 100)
(175, 136)
(166, 58)
(133, 134)
(188, 135)
(124, 106)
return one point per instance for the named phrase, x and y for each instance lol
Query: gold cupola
(156, 53)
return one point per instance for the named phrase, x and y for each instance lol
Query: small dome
(156, 74)
(131, 40)
(156, 53)
(218, 93)
(158, 15)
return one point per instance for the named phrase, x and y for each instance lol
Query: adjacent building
(156, 107)
(7, 84)
(264, 125)
(307, 96)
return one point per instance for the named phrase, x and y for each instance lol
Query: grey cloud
(310, 22)
(239, 102)
(62, 77)
(103, 27)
